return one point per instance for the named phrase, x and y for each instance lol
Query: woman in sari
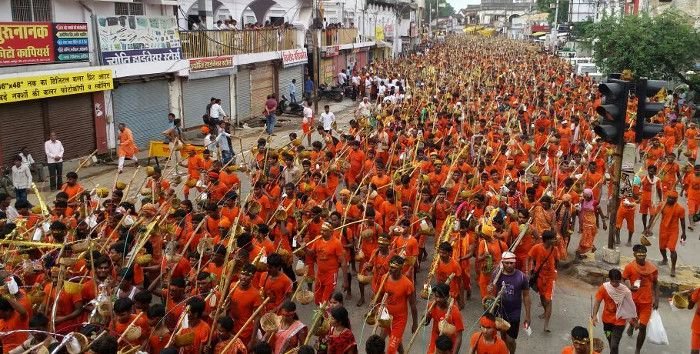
(588, 214)
(291, 332)
(339, 339)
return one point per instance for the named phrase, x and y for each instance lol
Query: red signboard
(24, 43)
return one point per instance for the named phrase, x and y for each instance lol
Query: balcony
(201, 44)
(338, 36)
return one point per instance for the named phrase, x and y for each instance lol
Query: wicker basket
(80, 246)
(133, 333)
(183, 340)
(305, 297)
(446, 328)
(384, 322)
(644, 241)
(425, 293)
(502, 325)
(364, 279)
(301, 269)
(680, 301)
(77, 344)
(102, 192)
(598, 345)
(360, 256)
(67, 261)
(371, 319)
(72, 288)
(270, 322)
(37, 297)
(367, 233)
(323, 328)
(144, 259)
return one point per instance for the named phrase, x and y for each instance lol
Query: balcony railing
(338, 36)
(201, 44)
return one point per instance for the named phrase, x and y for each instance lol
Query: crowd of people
(474, 161)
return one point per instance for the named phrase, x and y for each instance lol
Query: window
(31, 10)
(128, 9)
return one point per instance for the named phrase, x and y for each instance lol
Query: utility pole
(317, 52)
(555, 28)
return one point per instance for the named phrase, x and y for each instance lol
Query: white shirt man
(327, 118)
(216, 112)
(342, 78)
(54, 151)
(364, 108)
(21, 176)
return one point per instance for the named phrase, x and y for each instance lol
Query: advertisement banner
(378, 33)
(138, 39)
(23, 43)
(389, 31)
(294, 57)
(210, 63)
(330, 51)
(45, 86)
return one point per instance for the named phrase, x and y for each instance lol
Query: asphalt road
(572, 299)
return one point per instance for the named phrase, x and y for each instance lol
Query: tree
(662, 47)
(550, 7)
(440, 9)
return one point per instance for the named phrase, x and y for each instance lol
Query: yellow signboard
(45, 86)
(160, 149)
(378, 33)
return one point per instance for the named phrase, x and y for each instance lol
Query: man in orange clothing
(196, 325)
(446, 267)
(580, 342)
(275, 284)
(443, 310)
(625, 213)
(543, 259)
(247, 300)
(691, 186)
(671, 214)
(643, 279)
(487, 341)
(329, 255)
(127, 147)
(618, 309)
(401, 295)
(695, 325)
(13, 316)
(123, 317)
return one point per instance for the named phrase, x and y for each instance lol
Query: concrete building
(90, 64)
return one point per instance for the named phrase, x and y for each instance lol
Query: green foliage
(661, 47)
(442, 11)
(549, 6)
(580, 29)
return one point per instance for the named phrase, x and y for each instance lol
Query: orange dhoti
(668, 240)
(324, 286)
(398, 326)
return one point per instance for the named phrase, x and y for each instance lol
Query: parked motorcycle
(351, 92)
(286, 107)
(334, 93)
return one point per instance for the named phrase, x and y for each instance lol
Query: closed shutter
(340, 64)
(22, 125)
(243, 94)
(362, 59)
(263, 84)
(72, 119)
(144, 107)
(285, 77)
(196, 95)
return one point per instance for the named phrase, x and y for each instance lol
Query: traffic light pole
(614, 202)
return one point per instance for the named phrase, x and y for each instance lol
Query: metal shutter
(361, 59)
(196, 95)
(22, 125)
(71, 118)
(243, 94)
(340, 64)
(144, 107)
(285, 78)
(262, 84)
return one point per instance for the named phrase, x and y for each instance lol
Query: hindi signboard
(294, 57)
(45, 86)
(23, 43)
(138, 39)
(210, 63)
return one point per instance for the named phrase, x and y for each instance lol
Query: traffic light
(611, 128)
(645, 110)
